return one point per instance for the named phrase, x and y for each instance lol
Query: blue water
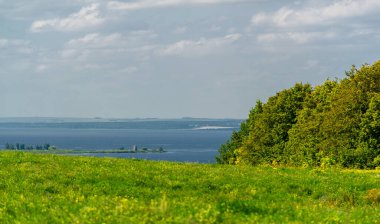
(181, 144)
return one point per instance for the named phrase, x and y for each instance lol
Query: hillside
(335, 123)
(67, 189)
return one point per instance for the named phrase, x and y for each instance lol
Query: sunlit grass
(38, 188)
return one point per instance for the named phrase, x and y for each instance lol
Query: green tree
(268, 134)
(337, 122)
(227, 150)
(305, 135)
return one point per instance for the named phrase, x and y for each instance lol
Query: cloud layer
(142, 4)
(173, 58)
(201, 47)
(332, 12)
(88, 16)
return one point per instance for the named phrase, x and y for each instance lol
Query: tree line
(335, 123)
(20, 146)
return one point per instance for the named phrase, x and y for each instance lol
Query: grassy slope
(66, 189)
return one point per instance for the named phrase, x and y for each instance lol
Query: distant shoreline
(81, 151)
(212, 128)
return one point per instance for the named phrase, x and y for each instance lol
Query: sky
(173, 58)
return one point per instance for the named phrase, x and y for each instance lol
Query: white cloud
(95, 40)
(69, 53)
(141, 4)
(92, 46)
(129, 70)
(16, 45)
(318, 15)
(41, 68)
(297, 37)
(12, 43)
(181, 30)
(142, 34)
(200, 47)
(360, 32)
(3, 42)
(88, 16)
(89, 43)
(114, 41)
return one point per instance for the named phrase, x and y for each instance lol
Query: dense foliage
(336, 123)
(37, 188)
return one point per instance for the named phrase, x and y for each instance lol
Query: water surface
(190, 141)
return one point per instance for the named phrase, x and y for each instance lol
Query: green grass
(38, 188)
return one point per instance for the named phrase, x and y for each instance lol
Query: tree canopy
(335, 123)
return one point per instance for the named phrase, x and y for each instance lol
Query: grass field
(37, 188)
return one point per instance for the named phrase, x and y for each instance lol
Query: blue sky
(173, 58)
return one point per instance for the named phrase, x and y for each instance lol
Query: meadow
(44, 188)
